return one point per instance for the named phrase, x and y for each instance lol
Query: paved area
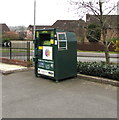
(6, 68)
(0, 96)
(25, 96)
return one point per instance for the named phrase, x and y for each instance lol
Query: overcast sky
(21, 12)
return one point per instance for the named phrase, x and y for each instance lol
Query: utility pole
(34, 20)
(101, 12)
(118, 18)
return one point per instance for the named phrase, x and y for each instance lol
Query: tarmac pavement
(25, 96)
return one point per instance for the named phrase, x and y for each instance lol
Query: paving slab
(8, 68)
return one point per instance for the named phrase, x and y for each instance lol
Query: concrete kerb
(99, 79)
(13, 71)
(10, 68)
(81, 76)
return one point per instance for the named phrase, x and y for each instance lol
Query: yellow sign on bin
(51, 41)
(40, 47)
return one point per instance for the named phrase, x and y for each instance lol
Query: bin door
(62, 40)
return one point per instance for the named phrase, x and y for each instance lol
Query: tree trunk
(107, 56)
(106, 49)
(104, 33)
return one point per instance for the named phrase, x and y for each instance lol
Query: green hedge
(98, 69)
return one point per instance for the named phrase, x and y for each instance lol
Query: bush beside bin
(100, 69)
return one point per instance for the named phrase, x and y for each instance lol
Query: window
(62, 40)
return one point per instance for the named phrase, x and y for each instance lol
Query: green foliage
(115, 42)
(113, 39)
(93, 33)
(99, 69)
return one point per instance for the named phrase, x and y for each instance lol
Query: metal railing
(19, 50)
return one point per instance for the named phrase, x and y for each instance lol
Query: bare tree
(101, 10)
(18, 28)
(21, 30)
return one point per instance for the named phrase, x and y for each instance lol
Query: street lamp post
(34, 20)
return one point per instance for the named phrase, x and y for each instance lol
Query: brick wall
(93, 47)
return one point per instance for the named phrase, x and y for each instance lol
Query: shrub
(116, 44)
(93, 33)
(99, 69)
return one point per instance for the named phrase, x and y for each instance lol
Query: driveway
(25, 96)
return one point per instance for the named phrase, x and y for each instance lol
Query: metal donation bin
(55, 54)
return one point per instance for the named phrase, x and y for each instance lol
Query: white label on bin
(55, 42)
(46, 72)
(47, 53)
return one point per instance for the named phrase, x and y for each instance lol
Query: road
(97, 59)
(94, 54)
(25, 96)
(92, 57)
(81, 56)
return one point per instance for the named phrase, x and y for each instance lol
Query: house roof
(31, 27)
(77, 26)
(61, 24)
(4, 27)
(111, 21)
(69, 25)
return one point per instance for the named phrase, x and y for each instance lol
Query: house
(111, 23)
(112, 29)
(4, 28)
(76, 26)
(111, 20)
(30, 29)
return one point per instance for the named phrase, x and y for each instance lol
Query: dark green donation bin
(55, 54)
